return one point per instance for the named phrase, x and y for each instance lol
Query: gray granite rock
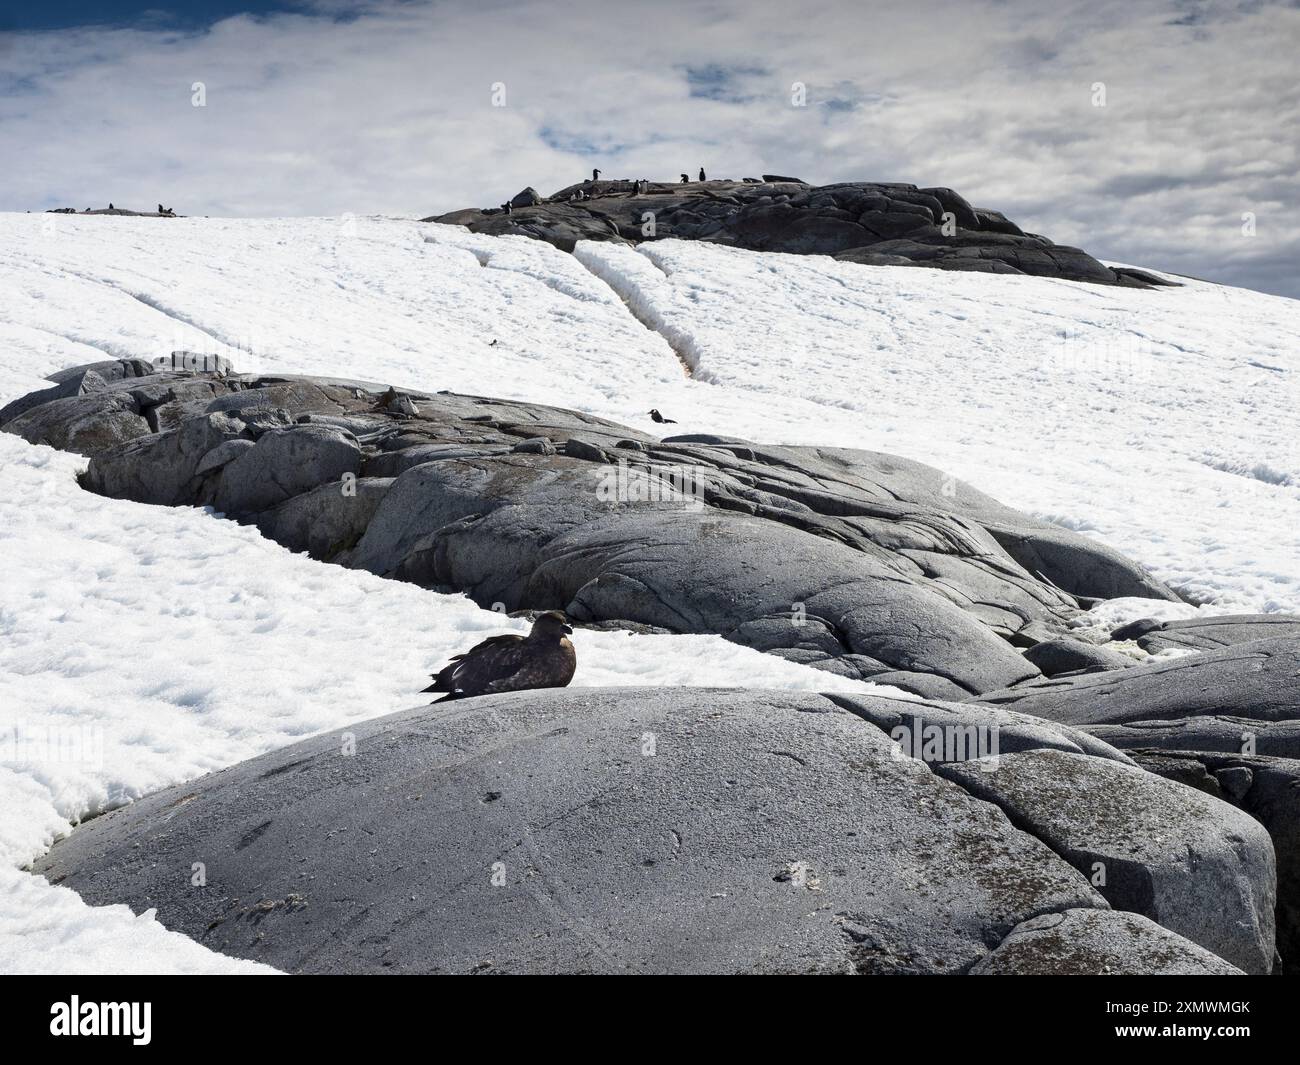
(1268, 789)
(1189, 862)
(1065, 655)
(1098, 943)
(857, 562)
(83, 422)
(1207, 633)
(1212, 733)
(584, 830)
(326, 522)
(939, 732)
(285, 463)
(1257, 681)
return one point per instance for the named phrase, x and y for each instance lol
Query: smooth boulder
(1257, 681)
(582, 830)
(1191, 863)
(1098, 943)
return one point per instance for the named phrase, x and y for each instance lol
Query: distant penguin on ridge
(686, 179)
(702, 177)
(595, 175)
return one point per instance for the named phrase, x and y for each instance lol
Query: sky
(1164, 133)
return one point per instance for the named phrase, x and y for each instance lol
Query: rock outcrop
(861, 563)
(1098, 943)
(168, 213)
(1268, 789)
(679, 830)
(1147, 848)
(1206, 633)
(1225, 721)
(888, 224)
(1257, 681)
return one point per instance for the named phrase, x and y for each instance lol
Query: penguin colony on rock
(639, 188)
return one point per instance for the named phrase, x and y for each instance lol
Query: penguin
(160, 209)
(111, 207)
(686, 178)
(702, 177)
(595, 175)
(507, 208)
(493, 344)
(659, 419)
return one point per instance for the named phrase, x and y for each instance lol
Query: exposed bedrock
(853, 561)
(1098, 943)
(1145, 846)
(1221, 734)
(1266, 788)
(1206, 633)
(681, 830)
(1258, 681)
(887, 224)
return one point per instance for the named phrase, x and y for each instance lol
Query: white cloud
(389, 111)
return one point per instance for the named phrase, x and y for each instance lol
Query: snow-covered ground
(140, 646)
(1166, 423)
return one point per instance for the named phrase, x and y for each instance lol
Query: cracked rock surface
(640, 830)
(861, 563)
(1268, 789)
(1194, 865)
(1098, 943)
(1206, 633)
(1254, 681)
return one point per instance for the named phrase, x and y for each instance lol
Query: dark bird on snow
(595, 175)
(655, 416)
(543, 659)
(111, 207)
(702, 177)
(686, 179)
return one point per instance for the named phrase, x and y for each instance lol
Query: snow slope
(1163, 422)
(120, 623)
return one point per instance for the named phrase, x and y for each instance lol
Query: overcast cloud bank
(1144, 132)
